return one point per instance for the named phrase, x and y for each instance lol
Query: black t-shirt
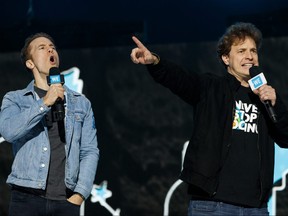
(239, 180)
(55, 186)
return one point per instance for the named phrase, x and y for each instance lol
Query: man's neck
(245, 83)
(41, 84)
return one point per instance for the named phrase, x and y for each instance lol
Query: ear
(225, 59)
(29, 64)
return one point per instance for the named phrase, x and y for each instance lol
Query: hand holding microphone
(55, 94)
(266, 93)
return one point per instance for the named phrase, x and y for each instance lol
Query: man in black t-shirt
(229, 162)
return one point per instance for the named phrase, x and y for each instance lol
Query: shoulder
(17, 93)
(76, 96)
(212, 78)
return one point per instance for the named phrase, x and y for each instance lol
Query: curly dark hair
(25, 51)
(237, 33)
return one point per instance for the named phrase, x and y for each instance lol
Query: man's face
(242, 56)
(43, 55)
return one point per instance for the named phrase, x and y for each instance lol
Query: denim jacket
(22, 124)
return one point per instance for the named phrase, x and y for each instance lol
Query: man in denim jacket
(55, 160)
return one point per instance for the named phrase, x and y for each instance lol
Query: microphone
(257, 80)
(58, 109)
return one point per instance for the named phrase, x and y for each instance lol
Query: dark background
(90, 23)
(141, 126)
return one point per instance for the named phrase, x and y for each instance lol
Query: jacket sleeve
(178, 80)
(281, 127)
(89, 155)
(17, 118)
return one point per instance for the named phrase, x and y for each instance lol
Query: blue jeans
(25, 204)
(201, 208)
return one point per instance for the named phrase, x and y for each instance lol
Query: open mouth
(52, 59)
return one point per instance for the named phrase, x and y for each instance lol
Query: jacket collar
(233, 83)
(30, 89)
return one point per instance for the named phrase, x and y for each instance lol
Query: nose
(50, 50)
(249, 55)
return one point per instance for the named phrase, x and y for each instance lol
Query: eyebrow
(254, 48)
(50, 45)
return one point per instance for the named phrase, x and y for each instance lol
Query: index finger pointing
(138, 42)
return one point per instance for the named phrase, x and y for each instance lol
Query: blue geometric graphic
(72, 80)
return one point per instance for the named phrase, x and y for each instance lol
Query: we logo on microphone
(55, 79)
(257, 81)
